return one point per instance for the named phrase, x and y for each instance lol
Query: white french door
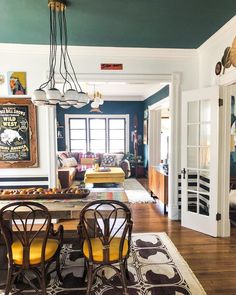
(199, 160)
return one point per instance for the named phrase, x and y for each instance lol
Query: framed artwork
(145, 132)
(16, 83)
(18, 141)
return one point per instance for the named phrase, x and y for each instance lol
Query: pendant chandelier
(97, 101)
(47, 93)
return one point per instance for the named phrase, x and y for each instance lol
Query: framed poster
(18, 143)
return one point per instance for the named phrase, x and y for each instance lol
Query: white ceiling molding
(102, 52)
(123, 98)
(132, 78)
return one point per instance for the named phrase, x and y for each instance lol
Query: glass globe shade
(97, 100)
(53, 96)
(79, 105)
(39, 97)
(63, 104)
(72, 96)
(94, 105)
(83, 97)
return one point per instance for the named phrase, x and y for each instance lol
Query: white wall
(34, 65)
(212, 51)
(33, 59)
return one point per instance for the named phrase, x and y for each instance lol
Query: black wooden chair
(30, 247)
(105, 227)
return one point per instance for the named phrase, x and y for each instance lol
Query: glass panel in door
(198, 156)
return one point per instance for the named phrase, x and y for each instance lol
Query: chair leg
(126, 270)
(85, 270)
(123, 278)
(90, 279)
(58, 269)
(9, 281)
(43, 283)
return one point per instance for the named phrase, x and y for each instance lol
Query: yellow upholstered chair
(105, 227)
(30, 246)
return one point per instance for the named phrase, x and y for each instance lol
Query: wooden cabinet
(158, 184)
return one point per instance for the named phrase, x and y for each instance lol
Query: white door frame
(225, 81)
(175, 138)
(174, 145)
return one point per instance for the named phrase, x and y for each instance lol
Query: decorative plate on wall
(218, 68)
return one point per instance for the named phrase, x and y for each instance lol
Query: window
(116, 136)
(97, 133)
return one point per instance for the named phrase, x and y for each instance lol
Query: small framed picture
(16, 83)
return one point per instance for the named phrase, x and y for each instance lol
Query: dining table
(70, 208)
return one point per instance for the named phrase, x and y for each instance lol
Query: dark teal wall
(163, 93)
(108, 108)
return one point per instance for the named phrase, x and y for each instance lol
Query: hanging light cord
(72, 91)
(75, 80)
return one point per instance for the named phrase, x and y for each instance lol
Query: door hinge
(218, 216)
(220, 102)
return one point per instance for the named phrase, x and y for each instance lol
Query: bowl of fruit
(43, 193)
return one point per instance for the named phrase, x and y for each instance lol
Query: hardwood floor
(213, 260)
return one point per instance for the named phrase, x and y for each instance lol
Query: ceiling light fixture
(97, 101)
(72, 91)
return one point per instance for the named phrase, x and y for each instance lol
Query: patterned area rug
(155, 268)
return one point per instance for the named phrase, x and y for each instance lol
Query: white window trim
(80, 116)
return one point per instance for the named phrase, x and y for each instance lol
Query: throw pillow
(87, 161)
(63, 155)
(70, 162)
(108, 160)
(125, 165)
(119, 158)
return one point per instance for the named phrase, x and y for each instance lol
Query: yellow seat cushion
(35, 250)
(97, 249)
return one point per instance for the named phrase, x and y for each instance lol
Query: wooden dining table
(66, 208)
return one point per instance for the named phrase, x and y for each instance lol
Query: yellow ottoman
(115, 175)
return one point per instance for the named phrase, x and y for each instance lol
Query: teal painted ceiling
(121, 23)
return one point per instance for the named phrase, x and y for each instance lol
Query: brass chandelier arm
(58, 5)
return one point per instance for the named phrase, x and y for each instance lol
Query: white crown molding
(103, 52)
(123, 98)
(226, 29)
(134, 78)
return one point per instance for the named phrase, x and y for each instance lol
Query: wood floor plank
(213, 260)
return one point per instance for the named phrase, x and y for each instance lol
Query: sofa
(72, 165)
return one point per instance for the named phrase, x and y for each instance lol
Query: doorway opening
(158, 170)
